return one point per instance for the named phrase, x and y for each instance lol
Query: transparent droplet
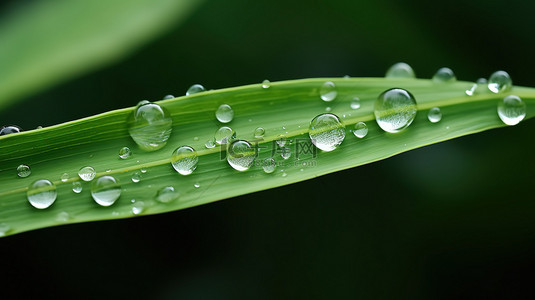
(197, 185)
(471, 90)
(210, 143)
(168, 97)
(224, 135)
(184, 160)
(4, 229)
(481, 81)
(326, 132)
(138, 207)
(87, 173)
(281, 141)
(224, 113)
(400, 70)
(125, 153)
(269, 165)
(64, 177)
(167, 194)
(77, 187)
(142, 102)
(284, 174)
(150, 126)
(41, 193)
(143, 170)
(444, 75)
(500, 82)
(355, 103)
(194, 89)
(136, 177)
(328, 109)
(285, 152)
(328, 91)
(259, 132)
(395, 109)
(105, 190)
(434, 115)
(266, 84)
(511, 110)
(196, 138)
(360, 130)
(24, 171)
(63, 216)
(241, 155)
(10, 129)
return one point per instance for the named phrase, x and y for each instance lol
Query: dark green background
(452, 220)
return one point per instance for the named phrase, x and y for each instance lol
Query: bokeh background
(451, 220)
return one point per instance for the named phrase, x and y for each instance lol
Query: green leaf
(284, 109)
(48, 42)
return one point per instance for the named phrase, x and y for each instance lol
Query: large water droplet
(150, 126)
(224, 135)
(269, 165)
(167, 194)
(125, 153)
(240, 155)
(444, 75)
(87, 173)
(355, 103)
(326, 132)
(434, 115)
(500, 81)
(194, 89)
(400, 70)
(10, 129)
(77, 187)
(511, 110)
(361, 130)
(24, 171)
(105, 190)
(184, 160)
(259, 132)
(328, 91)
(41, 193)
(224, 113)
(395, 109)
(266, 84)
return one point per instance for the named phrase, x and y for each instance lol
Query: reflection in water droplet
(210, 143)
(77, 187)
(125, 153)
(361, 130)
(138, 207)
(105, 190)
(194, 89)
(240, 155)
(511, 110)
(136, 177)
(184, 160)
(269, 165)
(259, 132)
(326, 132)
(434, 115)
(64, 177)
(355, 103)
(197, 185)
(400, 70)
(499, 82)
(285, 152)
(10, 129)
(150, 126)
(395, 109)
(87, 173)
(328, 91)
(224, 113)
(266, 84)
(224, 135)
(24, 171)
(168, 97)
(41, 193)
(444, 75)
(167, 194)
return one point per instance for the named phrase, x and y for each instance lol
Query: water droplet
(224, 113)
(286, 152)
(471, 90)
(24, 171)
(108, 170)
(105, 190)
(266, 84)
(328, 109)
(142, 102)
(444, 75)
(77, 187)
(138, 207)
(434, 115)
(269, 165)
(328, 91)
(4, 229)
(63, 216)
(240, 155)
(355, 103)
(400, 70)
(184, 160)
(194, 89)
(10, 129)
(326, 132)
(511, 110)
(259, 132)
(41, 193)
(284, 174)
(167, 194)
(347, 76)
(281, 141)
(125, 153)
(361, 130)
(481, 81)
(87, 173)
(224, 135)
(197, 185)
(395, 109)
(499, 82)
(136, 177)
(150, 126)
(168, 97)
(210, 143)
(143, 170)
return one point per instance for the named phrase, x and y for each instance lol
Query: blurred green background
(451, 220)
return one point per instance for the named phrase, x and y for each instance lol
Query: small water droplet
(241, 155)
(347, 76)
(224, 113)
(143, 170)
(511, 110)
(447, 127)
(24, 171)
(87, 173)
(361, 130)
(444, 75)
(142, 102)
(108, 170)
(269, 165)
(499, 82)
(105, 190)
(64, 177)
(281, 141)
(355, 103)
(400, 70)
(284, 174)
(259, 132)
(328, 109)
(285, 152)
(326, 132)
(150, 126)
(167, 194)
(195, 138)
(197, 185)
(77, 187)
(210, 144)
(138, 207)
(168, 97)
(10, 129)
(194, 89)
(41, 193)
(4, 229)
(266, 84)
(224, 135)
(63, 216)
(395, 109)
(136, 177)
(481, 81)
(471, 90)
(434, 115)
(125, 153)
(184, 160)
(328, 91)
